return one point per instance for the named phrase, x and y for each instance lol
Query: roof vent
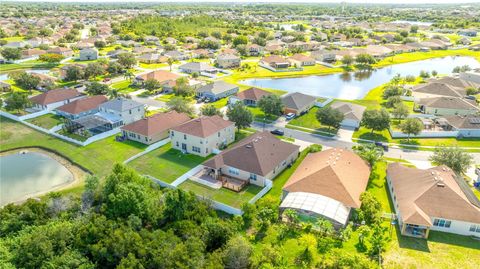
(249, 146)
(440, 184)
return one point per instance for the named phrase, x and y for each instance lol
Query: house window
(195, 149)
(185, 137)
(177, 144)
(253, 176)
(173, 133)
(218, 134)
(442, 223)
(233, 171)
(475, 228)
(130, 112)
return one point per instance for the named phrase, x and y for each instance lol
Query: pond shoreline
(78, 172)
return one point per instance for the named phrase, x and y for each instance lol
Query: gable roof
(259, 153)
(54, 96)
(349, 110)
(335, 173)
(157, 123)
(203, 126)
(435, 192)
(274, 59)
(84, 104)
(297, 100)
(252, 94)
(197, 66)
(301, 58)
(457, 82)
(120, 104)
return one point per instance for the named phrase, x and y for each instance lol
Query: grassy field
(152, 66)
(223, 195)
(165, 163)
(34, 64)
(441, 250)
(98, 157)
(419, 55)
(124, 86)
(309, 120)
(47, 121)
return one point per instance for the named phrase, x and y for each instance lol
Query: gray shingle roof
(217, 87)
(120, 104)
(297, 100)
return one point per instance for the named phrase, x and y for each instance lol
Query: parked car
(277, 132)
(380, 144)
(290, 116)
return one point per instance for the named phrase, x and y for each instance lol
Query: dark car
(380, 144)
(277, 132)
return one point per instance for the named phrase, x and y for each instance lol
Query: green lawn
(124, 86)
(34, 64)
(309, 120)
(47, 121)
(165, 97)
(258, 115)
(377, 185)
(152, 66)
(441, 250)
(223, 195)
(98, 157)
(165, 163)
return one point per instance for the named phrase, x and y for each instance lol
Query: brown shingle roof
(84, 104)
(54, 96)
(449, 103)
(438, 88)
(259, 153)
(203, 126)
(157, 123)
(301, 58)
(161, 76)
(435, 192)
(335, 173)
(252, 94)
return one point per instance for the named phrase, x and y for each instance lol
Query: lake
(4, 76)
(419, 23)
(355, 85)
(24, 175)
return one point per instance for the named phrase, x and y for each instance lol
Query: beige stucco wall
(206, 145)
(145, 139)
(447, 111)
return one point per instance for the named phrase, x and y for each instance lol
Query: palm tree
(170, 62)
(128, 75)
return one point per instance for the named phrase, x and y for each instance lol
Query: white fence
(324, 103)
(53, 131)
(187, 175)
(268, 187)
(152, 147)
(266, 66)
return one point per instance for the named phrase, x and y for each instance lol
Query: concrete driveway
(345, 133)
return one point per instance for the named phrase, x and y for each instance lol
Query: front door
(184, 146)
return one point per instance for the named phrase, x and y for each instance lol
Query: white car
(290, 116)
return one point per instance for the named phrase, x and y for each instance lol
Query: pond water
(355, 85)
(4, 76)
(27, 174)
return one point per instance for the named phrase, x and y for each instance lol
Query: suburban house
(150, 58)
(154, 128)
(110, 115)
(166, 79)
(5, 87)
(323, 55)
(254, 160)
(442, 106)
(432, 199)
(226, 60)
(217, 90)
(353, 113)
(88, 54)
(203, 136)
(437, 89)
(201, 53)
(65, 52)
(298, 103)
(81, 107)
(459, 82)
(249, 97)
(197, 67)
(254, 50)
(275, 61)
(301, 60)
(177, 55)
(32, 53)
(54, 98)
(466, 126)
(327, 184)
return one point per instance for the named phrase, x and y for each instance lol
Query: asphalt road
(406, 154)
